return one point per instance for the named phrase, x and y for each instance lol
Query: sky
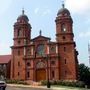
(42, 15)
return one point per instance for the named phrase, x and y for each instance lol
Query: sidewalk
(28, 86)
(44, 87)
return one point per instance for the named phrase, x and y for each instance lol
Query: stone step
(33, 83)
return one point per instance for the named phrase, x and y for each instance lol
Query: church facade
(40, 58)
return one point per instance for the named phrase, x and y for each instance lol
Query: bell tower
(64, 32)
(22, 37)
(22, 30)
(66, 45)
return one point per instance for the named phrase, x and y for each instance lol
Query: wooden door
(41, 74)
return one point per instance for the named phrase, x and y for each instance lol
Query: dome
(23, 17)
(63, 11)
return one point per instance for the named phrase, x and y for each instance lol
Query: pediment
(40, 38)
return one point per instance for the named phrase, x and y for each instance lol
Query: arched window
(40, 49)
(65, 73)
(53, 74)
(18, 63)
(19, 32)
(18, 52)
(53, 49)
(64, 49)
(64, 37)
(40, 65)
(63, 27)
(65, 61)
(28, 64)
(19, 41)
(18, 73)
(28, 74)
(53, 62)
(28, 51)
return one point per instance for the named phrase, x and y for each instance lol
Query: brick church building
(40, 58)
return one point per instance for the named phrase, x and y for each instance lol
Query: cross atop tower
(63, 5)
(23, 11)
(40, 32)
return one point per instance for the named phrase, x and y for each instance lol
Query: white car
(2, 85)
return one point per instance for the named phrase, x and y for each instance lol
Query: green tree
(84, 74)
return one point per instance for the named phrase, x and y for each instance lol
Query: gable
(41, 38)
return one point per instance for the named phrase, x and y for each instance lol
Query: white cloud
(84, 34)
(78, 6)
(42, 12)
(46, 12)
(36, 10)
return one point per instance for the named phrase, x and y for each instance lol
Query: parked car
(2, 85)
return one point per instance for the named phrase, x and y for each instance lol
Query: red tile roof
(5, 59)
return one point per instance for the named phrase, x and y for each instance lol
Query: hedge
(65, 83)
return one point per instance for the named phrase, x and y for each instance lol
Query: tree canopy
(84, 74)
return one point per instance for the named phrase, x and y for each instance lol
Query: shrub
(65, 83)
(16, 82)
(44, 82)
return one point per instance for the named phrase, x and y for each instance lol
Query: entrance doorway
(40, 74)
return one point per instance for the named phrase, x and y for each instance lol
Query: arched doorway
(41, 74)
(41, 71)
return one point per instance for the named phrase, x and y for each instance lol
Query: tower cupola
(22, 17)
(22, 30)
(63, 11)
(64, 23)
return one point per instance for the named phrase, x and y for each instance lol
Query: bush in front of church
(16, 82)
(65, 83)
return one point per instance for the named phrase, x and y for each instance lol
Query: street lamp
(48, 82)
(45, 56)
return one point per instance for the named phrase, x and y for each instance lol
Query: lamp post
(48, 82)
